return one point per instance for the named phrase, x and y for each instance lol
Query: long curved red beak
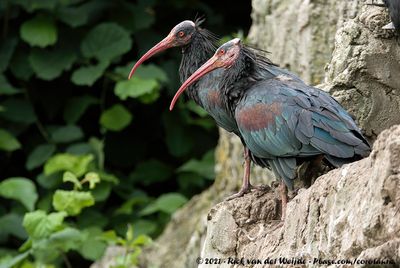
(164, 44)
(207, 67)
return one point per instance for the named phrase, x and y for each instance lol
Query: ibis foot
(246, 189)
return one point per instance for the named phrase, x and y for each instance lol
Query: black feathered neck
(194, 55)
(249, 67)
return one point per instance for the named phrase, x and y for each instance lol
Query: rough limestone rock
(363, 76)
(300, 34)
(364, 72)
(348, 213)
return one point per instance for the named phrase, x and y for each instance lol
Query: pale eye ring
(181, 34)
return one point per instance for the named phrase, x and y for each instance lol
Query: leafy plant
(84, 152)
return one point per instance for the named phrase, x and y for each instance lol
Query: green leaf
(7, 48)
(67, 134)
(93, 246)
(20, 66)
(20, 189)
(167, 203)
(151, 171)
(39, 155)
(73, 16)
(178, 141)
(72, 202)
(18, 110)
(8, 142)
(70, 177)
(101, 192)
(11, 224)
(204, 167)
(116, 118)
(10, 263)
(88, 75)
(49, 65)
(105, 42)
(76, 107)
(6, 88)
(144, 71)
(92, 178)
(135, 87)
(40, 31)
(67, 162)
(40, 225)
(67, 239)
(49, 181)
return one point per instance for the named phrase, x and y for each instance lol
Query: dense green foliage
(88, 158)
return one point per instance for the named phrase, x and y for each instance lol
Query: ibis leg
(246, 186)
(283, 192)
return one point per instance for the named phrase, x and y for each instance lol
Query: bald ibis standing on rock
(282, 120)
(198, 45)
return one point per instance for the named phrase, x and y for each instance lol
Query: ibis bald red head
(180, 35)
(224, 57)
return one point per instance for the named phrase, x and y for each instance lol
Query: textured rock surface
(300, 33)
(364, 72)
(351, 212)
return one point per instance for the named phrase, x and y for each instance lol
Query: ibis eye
(181, 34)
(222, 52)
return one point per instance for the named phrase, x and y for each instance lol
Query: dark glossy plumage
(282, 120)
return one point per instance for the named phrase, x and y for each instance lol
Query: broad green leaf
(6, 88)
(144, 227)
(92, 178)
(151, 171)
(167, 203)
(67, 239)
(101, 192)
(203, 167)
(135, 87)
(76, 107)
(144, 71)
(40, 225)
(93, 246)
(106, 41)
(11, 224)
(20, 189)
(40, 31)
(67, 134)
(68, 162)
(116, 118)
(20, 66)
(79, 148)
(49, 65)
(7, 48)
(8, 142)
(73, 16)
(72, 202)
(39, 155)
(70, 177)
(12, 262)
(50, 181)
(88, 75)
(18, 110)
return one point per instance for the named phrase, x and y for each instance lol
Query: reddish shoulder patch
(214, 98)
(258, 116)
